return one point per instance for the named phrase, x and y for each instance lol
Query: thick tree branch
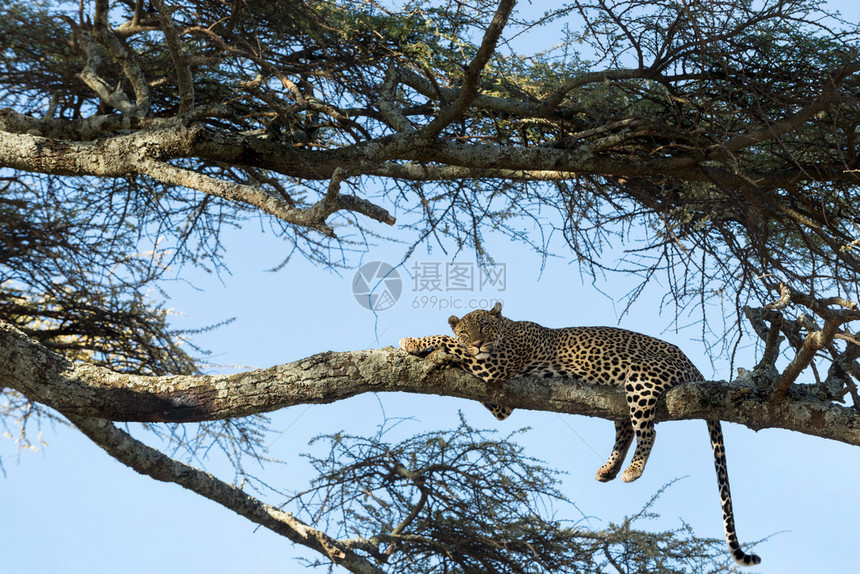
(91, 127)
(115, 156)
(129, 155)
(85, 390)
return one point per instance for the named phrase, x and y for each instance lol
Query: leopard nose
(478, 343)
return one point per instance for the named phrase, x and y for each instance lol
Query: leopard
(496, 349)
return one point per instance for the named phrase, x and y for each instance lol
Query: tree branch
(89, 75)
(314, 217)
(473, 74)
(149, 461)
(816, 339)
(554, 99)
(91, 127)
(183, 71)
(133, 154)
(85, 390)
(124, 57)
(167, 139)
(778, 128)
(388, 102)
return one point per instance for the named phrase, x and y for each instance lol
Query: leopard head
(479, 331)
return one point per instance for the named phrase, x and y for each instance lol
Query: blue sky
(69, 508)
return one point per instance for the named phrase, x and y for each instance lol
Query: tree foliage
(710, 145)
(721, 132)
(467, 501)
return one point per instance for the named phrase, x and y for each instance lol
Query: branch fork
(817, 338)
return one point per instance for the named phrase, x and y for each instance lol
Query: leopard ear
(453, 320)
(497, 308)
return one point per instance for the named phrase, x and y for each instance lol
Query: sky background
(68, 507)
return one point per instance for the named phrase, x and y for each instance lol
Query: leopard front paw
(412, 346)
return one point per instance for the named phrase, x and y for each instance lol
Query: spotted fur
(495, 349)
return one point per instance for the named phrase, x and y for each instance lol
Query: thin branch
(770, 335)
(313, 217)
(498, 104)
(183, 71)
(388, 102)
(816, 339)
(471, 79)
(784, 298)
(89, 75)
(151, 462)
(776, 129)
(127, 60)
(554, 99)
(813, 343)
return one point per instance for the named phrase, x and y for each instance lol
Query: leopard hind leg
(623, 440)
(642, 395)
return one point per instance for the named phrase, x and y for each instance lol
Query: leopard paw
(631, 474)
(607, 472)
(412, 346)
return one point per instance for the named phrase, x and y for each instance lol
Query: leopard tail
(717, 444)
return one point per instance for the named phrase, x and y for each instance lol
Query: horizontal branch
(314, 217)
(422, 172)
(429, 90)
(554, 99)
(91, 127)
(86, 390)
(386, 156)
(146, 152)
